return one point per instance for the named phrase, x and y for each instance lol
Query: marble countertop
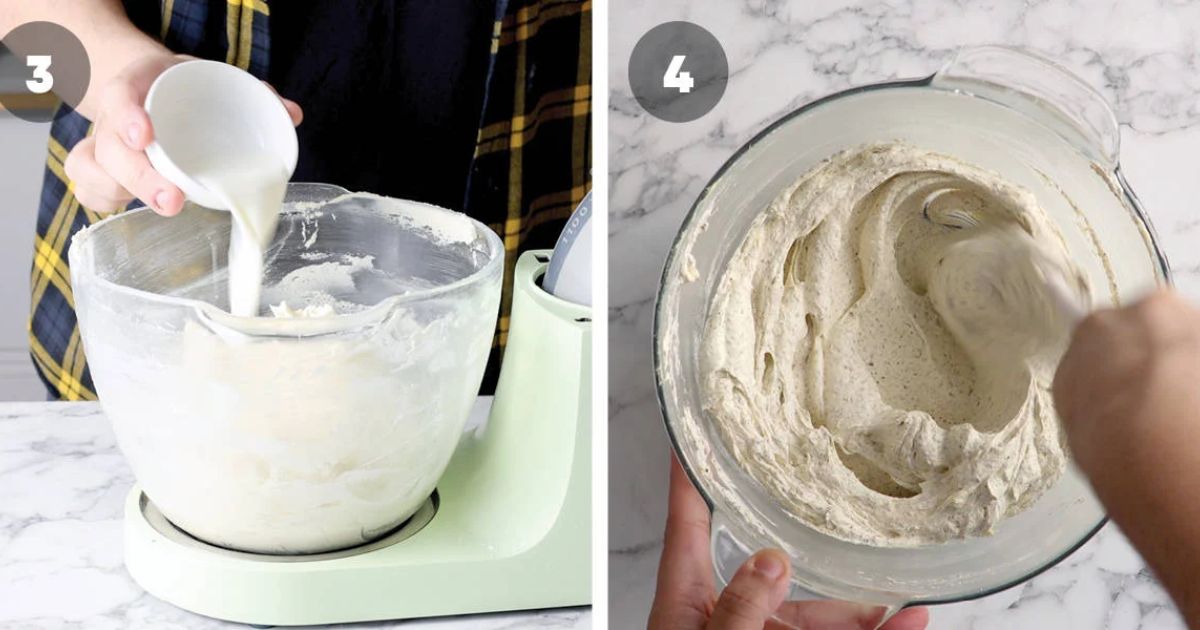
(1141, 55)
(62, 490)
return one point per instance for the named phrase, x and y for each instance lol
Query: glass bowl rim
(295, 327)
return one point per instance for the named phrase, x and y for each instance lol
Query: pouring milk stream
(252, 187)
(226, 140)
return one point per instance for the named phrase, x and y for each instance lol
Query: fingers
(686, 538)
(908, 619)
(122, 136)
(755, 591)
(685, 581)
(830, 614)
(684, 599)
(131, 169)
(92, 185)
(121, 103)
(106, 176)
(109, 169)
(123, 115)
(293, 109)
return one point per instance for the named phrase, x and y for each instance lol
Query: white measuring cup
(203, 111)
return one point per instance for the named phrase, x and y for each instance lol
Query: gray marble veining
(1144, 57)
(62, 490)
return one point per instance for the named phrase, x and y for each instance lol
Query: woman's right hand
(109, 168)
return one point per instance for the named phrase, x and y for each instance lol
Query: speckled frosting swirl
(872, 368)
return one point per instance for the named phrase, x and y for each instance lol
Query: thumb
(756, 590)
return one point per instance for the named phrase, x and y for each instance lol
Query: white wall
(22, 160)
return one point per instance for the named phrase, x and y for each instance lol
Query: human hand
(1126, 392)
(1126, 387)
(109, 168)
(685, 598)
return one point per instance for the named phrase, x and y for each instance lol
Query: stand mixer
(508, 526)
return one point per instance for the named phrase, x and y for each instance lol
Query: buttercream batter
(880, 348)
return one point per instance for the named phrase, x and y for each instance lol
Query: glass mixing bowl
(1016, 114)
(290, 435)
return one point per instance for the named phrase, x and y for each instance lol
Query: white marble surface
(1142, 55)
(62, 489)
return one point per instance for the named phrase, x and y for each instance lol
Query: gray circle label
(678, 71)
(38, 60)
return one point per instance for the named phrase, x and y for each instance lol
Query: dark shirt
(392, 91)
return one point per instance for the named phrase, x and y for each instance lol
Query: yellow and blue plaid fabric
(533, 155)
(532, 161)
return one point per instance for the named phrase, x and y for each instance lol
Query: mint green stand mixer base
(509, 527)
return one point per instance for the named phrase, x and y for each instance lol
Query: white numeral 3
(42, 80)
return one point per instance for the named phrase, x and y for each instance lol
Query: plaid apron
(531, 165)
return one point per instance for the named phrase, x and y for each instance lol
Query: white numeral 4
(42, 80)
(676, 79)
